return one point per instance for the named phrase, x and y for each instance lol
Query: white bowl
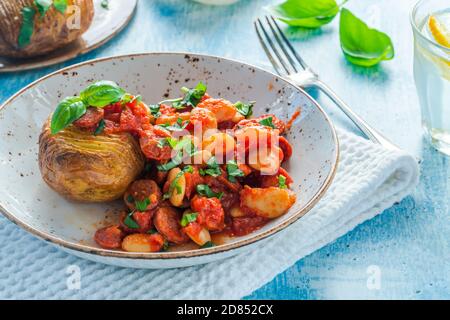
(27, 201)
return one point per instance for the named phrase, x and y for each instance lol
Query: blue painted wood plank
(409, 243)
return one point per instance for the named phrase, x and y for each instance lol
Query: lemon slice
(439, 31)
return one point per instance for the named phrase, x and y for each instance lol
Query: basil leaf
(129, 221)
(102, 93)
(208, 244)
(282, 182)
(205, 190)
(60, 5)
(142, 205)
(305, 13)
(100, 128)
(246, 109)
(267, 122)
(188, 218)
(68, 110)
(43, 6)
(362, 45)
(233, 171)
(213, 168)
(27, 27)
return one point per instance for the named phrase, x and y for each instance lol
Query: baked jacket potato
(86, 167)
(50, 31)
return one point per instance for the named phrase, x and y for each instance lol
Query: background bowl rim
(239, 244)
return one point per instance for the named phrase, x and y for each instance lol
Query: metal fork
(289, 64)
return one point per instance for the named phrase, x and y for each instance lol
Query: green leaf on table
(27, 27)
(68, 110)
(60, 5)
(305, 13)
(43, 6)
(362, 45)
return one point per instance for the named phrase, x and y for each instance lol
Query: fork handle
(370, 132)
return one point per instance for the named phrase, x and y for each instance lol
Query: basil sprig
(187, 218)
(27, 27)
(192, 97)
(306, 13)
(99, 94)
(362, 45)
(205, 190)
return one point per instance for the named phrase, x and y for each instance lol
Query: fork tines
(280, 52)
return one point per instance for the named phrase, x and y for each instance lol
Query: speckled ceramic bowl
(27, 201)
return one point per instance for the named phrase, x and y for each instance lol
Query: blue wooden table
(409, 244)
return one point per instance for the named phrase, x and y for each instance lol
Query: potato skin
(83, 167)
(50, 33)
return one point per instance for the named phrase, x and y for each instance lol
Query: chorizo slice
(286, 147)
(90, 119)
(146, 192)
(109, 237)
(151, 146)
(167, 222)
(143, 219)
(210, 213)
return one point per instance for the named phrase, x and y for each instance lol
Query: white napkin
(369, 180)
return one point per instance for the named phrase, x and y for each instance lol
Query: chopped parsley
(188, 217)
(100, 127)
(130, 198)
(105, 4)
(233, 171)
(212, 168)
(282, 182)
(154, 110)
(267, 122)
(178, 126)
(246, 109)
(175, 162)
(129, 221)
(142, 205)
(174, 185)
(208, 244)
(205, 190)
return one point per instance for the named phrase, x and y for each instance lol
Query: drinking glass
(432, 70)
